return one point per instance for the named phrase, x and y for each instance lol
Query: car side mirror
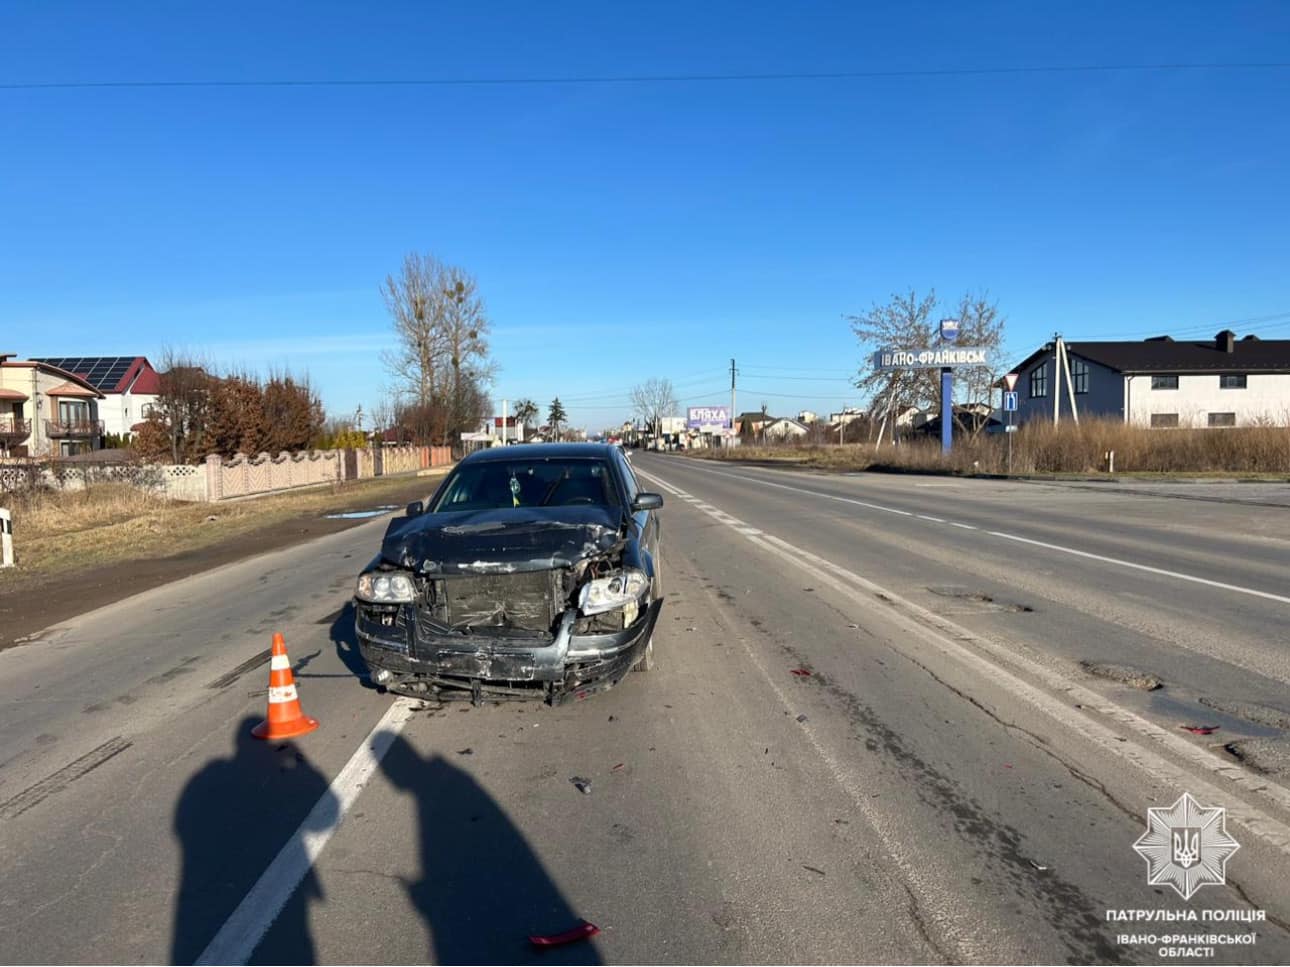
(647, 501)
(416, 508)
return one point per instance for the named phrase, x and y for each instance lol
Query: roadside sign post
(1010, 407)
(943, 358)
(6, 538)
(949, 336)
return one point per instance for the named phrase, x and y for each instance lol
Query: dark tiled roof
(1169, 356)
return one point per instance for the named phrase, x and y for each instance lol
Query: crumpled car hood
(501, 541)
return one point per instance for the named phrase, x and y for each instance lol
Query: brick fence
(245, 475)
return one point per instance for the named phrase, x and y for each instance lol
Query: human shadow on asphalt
(483, 891)
(345, 638)
(232, 819)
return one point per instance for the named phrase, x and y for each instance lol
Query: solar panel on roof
(101, 372)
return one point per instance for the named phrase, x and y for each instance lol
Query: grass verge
(109, 524)
(1261, 452)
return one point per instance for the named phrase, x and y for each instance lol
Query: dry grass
(113, 523)
(1067, 448)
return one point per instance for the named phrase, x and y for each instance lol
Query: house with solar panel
(128, 384)
(46, 410)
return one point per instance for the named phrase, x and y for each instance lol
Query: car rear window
(494, 485)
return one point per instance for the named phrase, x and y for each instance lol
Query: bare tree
(440, 365)
(652, 400)
(980, 324)
(912, 322)
(903, 323)
(183, 404)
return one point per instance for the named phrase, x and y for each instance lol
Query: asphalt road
(944, 783)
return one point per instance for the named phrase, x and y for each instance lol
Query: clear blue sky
(622, 231)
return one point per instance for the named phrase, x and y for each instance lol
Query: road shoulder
(31, 603)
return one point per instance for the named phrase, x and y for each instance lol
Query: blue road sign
(1010, 402)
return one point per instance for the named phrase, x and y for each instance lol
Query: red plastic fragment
(1199, 729)
(802, 672)
(617, 767)
(580, 932)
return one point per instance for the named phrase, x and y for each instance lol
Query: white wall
(782, 430)
(120, 411)
(1265, 398)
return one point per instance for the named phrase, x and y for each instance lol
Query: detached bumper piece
(411, 656)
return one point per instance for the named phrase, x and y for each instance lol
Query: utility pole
(733, 413)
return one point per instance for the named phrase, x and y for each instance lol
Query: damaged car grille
(520, 605)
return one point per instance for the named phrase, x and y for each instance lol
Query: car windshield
(493, 485)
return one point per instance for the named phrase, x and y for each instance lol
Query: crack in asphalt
(1062, 903)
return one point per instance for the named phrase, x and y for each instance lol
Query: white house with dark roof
(129, 385)
(785, 428)
(1162, 382)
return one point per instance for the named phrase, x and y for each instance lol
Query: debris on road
(802, 718)
(581, 932)
(582, 785)
(1199, 729)
(801, 672)
(1041, 869)
(814, 870)
(618, 767)
(466, 751)
(1124, 674)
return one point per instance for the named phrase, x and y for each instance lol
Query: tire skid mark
(64, 777)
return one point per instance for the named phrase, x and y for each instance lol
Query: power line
(602, 79)
(799, 369)
(805, 379)
(1203, 328)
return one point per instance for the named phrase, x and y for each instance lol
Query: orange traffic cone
(285, 720)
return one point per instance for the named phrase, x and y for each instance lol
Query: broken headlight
(386, 587)
(618, 590)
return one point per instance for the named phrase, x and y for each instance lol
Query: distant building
(129, 384)
(806, 418)
(1162, 382)
(784, 428)
(847, 415)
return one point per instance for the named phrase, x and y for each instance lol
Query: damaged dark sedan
(532, 573)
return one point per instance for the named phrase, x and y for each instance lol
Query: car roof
(542, 451)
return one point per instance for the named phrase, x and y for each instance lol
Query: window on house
(1164, 420)
(1079, 375)
(1039, 382)
(1231, 381)
(1164, 382)
(1222, 419)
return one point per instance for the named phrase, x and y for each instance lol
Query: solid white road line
(951, 639)
(1143, 567)
(237, 939)
(1118, 562)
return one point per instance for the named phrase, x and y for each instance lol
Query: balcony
(76, 429)
(13, 431)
